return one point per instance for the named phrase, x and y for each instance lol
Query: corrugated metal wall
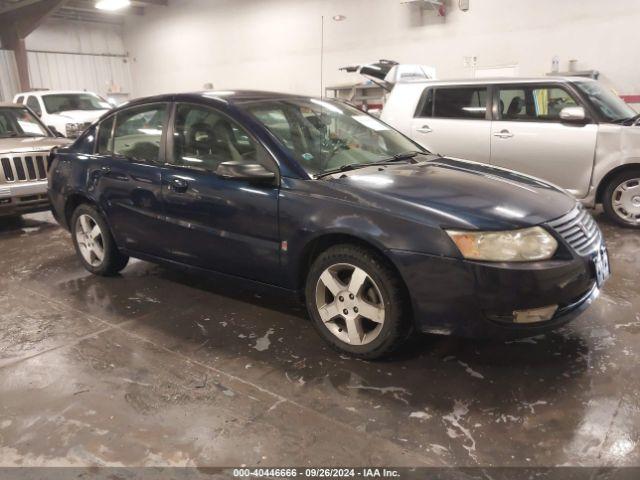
(9, 83)
(74, 71)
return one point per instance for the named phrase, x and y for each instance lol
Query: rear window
(465, 102)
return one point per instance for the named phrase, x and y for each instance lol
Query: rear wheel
(621, 199)
(357, 302)
(94, 244)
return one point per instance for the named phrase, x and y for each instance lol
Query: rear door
(454, 121)
(221, 224)
(127, 175)
(527, 135)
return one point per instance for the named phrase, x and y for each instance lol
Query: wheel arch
(323, 242)
(73, 201)
(602, 186)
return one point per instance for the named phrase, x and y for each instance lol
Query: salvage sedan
(316, 197)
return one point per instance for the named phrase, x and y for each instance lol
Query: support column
(20, 52)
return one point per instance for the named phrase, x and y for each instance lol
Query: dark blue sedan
(316, 197)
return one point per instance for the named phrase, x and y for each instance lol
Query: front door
(127, 176)
(527, 135)
(226, 225)
(453, 121)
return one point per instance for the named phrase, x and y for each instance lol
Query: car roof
(510, 80)
(231, 97)
(53, 92)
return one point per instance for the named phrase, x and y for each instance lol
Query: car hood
(79, 116)
(457, 194)
(30, 144)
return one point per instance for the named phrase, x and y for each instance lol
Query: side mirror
(250, 172)
(573, 114)
(55, 131)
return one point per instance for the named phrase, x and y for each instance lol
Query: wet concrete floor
(161, 367)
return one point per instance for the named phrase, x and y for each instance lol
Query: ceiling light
(339, 18)
(112, 5)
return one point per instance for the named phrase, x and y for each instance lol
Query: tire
(89, 242)
(357, 281)
(622, 206)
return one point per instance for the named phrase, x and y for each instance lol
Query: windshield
(611, 106)
(65, 102)
(324, 136)
(20, 122)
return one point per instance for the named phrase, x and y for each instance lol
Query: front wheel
(94, 244)
(621, 199)
(357, 302)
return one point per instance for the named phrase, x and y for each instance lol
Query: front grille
(579, 230)
(23, 168)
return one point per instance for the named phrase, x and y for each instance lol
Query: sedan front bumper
(479, 299)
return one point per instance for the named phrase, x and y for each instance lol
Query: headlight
(526, 245)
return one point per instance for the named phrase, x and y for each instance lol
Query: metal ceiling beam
(8, 6)
(20, 22)
(90, 6)
(156, 3)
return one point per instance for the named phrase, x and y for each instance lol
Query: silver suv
(25, 146)
(568, 130)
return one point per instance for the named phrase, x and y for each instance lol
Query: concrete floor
(160, 367)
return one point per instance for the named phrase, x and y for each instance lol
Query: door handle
(503, 134)
(425, 129)
(178, 185)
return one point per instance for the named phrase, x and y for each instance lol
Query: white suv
(66, 112)
(570, 131)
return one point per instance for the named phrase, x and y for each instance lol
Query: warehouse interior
(161, 366)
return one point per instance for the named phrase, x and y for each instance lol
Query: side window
(205, 138)
(466, 103)
(104, 136)
(33, 104)
(512, 105)
(425, 107)
(276, 121)
(549, 101)
(532, 103)
(138, 132)
(20, 100)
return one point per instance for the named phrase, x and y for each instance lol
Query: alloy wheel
(90, 240)
(625, 201)
(350, 304)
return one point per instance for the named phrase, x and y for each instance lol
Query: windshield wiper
(399, 157)
(346, 168)
(625, 121)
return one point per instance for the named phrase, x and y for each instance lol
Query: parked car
(66, 112)
(570, 131)
(315, 196)
(25, 147)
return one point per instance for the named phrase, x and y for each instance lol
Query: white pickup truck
(65, 112)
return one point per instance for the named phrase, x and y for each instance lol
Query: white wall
(275, 44)
(67, 55)
(78, 37)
